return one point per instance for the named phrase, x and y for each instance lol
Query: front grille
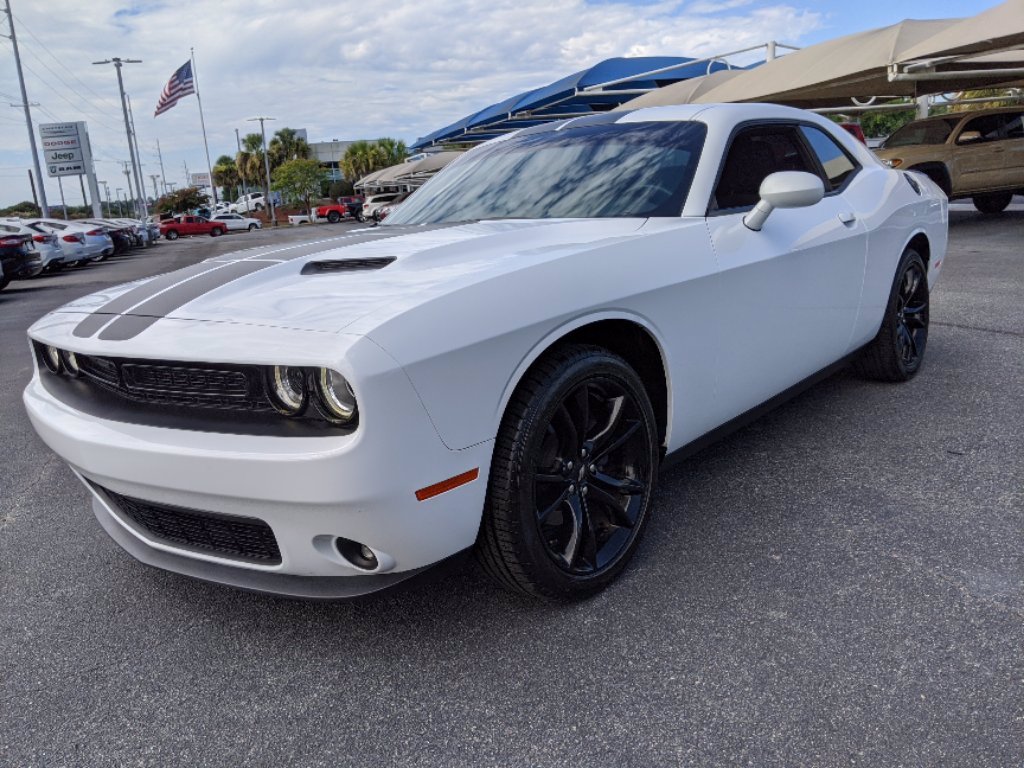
(240, 538)
(236, 388)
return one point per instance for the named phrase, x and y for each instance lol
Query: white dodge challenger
(501, 367)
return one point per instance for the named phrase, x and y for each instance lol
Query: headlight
(893, 162)
(337, 400)
(70, 363)
(51, 359)
(288, 392)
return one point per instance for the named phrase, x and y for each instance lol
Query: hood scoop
(345, 265)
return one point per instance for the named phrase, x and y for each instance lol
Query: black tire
(594, 510)
(993, 203)
(259, 207)
(334, 217)
(360, 218)
(171, 234)
(216, 232)
(253, 227)
(897, 352)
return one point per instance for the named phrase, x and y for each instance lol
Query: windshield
(589, 171)
(922, 132)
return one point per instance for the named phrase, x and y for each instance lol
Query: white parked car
(71, 242)
(502, 365)
(236, 223)
(43, 242)
(373, 203)
(96, 243)
(251, 202)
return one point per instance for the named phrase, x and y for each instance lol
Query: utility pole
(32, 183)
(238, 142)
(118, 62)
(159, 154)
(156, 194)
(135, 145)
(266, 165)
(28, 113)
(106, 189)
(63, 205)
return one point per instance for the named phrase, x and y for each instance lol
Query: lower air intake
(232, 536)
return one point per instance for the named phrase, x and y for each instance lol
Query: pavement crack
(962, 327)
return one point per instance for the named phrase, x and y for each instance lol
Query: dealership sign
(65, 149)
(200, 179)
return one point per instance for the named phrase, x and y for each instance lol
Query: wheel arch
(625, 334)
(937, 171)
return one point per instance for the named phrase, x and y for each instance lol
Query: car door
(789, 293)
(1013, 129)
(980, 155)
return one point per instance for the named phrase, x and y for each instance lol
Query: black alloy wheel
(572, 478)
(171, 234)
(897, 352)
(252, 227)
(216, 232)
(912, 314)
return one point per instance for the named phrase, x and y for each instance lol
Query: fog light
(288, 393)
(51, 359)
(360, 555)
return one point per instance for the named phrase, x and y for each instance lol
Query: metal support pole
(159, 154)
(135, 146)
(28, 112)
(202, 122)
(63, 205)
(266, 167)
(118, 62)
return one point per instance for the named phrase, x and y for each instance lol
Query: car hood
(328, 284)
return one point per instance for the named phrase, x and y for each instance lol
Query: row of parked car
(29, 247)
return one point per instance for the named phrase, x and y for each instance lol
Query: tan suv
(968, 154)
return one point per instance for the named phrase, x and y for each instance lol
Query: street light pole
(117, 194)
(266, 166)
(117, 62)
(44, 208)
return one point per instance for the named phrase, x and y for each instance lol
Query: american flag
(181, 84)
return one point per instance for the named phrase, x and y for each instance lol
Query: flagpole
(202, 122)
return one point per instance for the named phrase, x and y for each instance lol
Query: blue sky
(404, 70)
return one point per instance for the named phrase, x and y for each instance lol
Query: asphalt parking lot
(841, 583)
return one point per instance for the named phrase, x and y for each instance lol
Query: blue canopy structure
(600, 88)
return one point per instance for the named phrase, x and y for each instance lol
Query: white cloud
(341, 70)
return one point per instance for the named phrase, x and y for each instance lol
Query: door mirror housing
(969, 137)
(784, 189)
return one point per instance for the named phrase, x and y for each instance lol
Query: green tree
(25, 209)
(287, 145)
(225, 174)
(364, 157)
(298, 180)
(250, 162)
(180, 200)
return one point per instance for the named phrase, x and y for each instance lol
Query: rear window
(922, 132)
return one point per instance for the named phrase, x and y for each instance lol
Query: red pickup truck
(344, 208)
(174, 228)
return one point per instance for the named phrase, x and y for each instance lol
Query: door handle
(847, 217)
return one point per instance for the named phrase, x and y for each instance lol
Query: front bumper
(308, 490)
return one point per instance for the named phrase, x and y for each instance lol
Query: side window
(986, 125)
(836, 163)
(1014, 125)
(754, 154)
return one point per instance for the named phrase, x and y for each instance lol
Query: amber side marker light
(446, 485)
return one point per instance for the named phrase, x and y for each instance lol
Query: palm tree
(287, 145)
(225, 174)
(394, 151)
(250, 162)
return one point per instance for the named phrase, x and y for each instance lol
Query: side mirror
(784, 189)
(968, 137)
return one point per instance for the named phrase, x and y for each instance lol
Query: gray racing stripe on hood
(161, 296)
